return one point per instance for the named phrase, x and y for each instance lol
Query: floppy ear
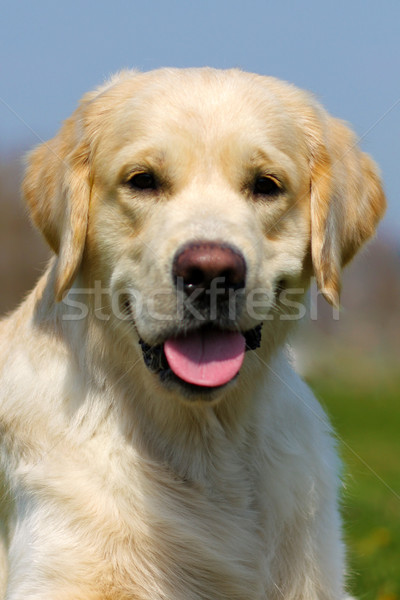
(57, 190)
(347, 202)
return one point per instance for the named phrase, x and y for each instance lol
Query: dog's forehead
(202, 107)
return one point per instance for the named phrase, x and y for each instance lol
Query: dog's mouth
(203, 360)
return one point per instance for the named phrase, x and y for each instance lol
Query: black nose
(199, 263)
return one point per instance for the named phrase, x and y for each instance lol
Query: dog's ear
(347, 202)
(57, 190)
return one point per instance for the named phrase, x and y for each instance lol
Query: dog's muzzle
(212, 276)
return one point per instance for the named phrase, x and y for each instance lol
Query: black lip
(170, 380)
(156, 361)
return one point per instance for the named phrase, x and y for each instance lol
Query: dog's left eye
(142, 181)
(267, 186)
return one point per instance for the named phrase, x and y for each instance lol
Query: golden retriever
(146, 454)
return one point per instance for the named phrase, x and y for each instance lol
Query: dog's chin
(214, 368)
(190, 391)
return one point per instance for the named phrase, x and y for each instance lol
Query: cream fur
(116, 486)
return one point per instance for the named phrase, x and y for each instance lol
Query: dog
(156, 442)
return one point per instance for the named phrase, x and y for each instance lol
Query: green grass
(366, 416)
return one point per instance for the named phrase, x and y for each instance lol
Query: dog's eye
(142, 181)
(267, 186)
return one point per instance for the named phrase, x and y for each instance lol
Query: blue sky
(346, 52)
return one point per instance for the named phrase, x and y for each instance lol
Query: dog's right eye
(142, 181)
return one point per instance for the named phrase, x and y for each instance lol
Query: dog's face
(198, 199)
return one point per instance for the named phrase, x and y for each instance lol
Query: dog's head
(199, 199)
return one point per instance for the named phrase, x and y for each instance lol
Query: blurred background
(348, 54)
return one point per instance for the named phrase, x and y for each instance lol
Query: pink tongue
(206, 357)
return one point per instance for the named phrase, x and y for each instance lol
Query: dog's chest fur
(202, 526)
(192, 535)
(193, 525)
